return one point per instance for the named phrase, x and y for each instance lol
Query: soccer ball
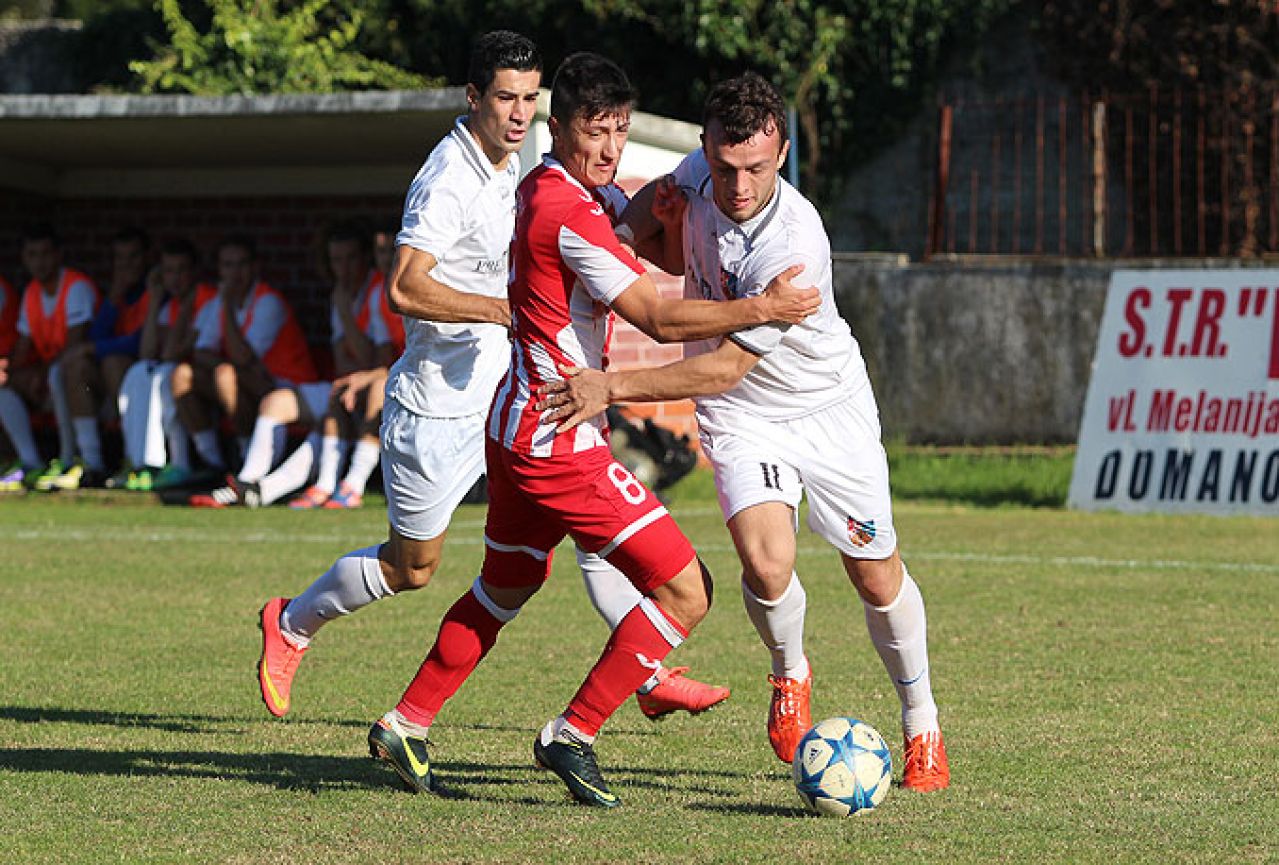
(842, 767)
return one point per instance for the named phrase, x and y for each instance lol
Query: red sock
(466, 635)
(620, 670)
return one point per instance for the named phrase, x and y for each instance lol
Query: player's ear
(781, 156)
(472, 96)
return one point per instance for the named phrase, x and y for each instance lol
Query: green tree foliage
(267, 46)
(855, 70)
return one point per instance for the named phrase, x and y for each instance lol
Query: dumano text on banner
(1182, 412)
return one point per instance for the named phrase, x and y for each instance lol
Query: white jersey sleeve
(601, 267)
(762, 339)
(81, 303)
(377, 331)
(434, 215)
(269, 316)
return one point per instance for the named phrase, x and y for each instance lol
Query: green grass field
(1108, 688)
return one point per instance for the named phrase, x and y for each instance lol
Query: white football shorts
(428, 466)
(834, 455)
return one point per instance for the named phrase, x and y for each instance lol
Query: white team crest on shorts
(861, 532)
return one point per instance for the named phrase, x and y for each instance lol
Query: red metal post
(937, 212)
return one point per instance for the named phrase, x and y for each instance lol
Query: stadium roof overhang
(339, 143)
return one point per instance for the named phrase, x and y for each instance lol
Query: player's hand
(4, 371)
(578, 397)
(669, 203)
(155, 285)
(786, 303)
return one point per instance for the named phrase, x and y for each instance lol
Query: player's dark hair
(132, 234)
(180, 246)
(239, 241)
(33, 232)
(348, 231)
(501, 49)
(590, 86)
(744, 107)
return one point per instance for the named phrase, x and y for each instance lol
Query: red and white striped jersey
(567, 268)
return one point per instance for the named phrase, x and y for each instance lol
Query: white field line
(460, 528)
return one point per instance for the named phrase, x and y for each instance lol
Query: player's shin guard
(468, 631)
(780, 625)
(354, 581)
(900, 634)
(635, 650)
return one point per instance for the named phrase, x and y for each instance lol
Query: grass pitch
(1107, 686)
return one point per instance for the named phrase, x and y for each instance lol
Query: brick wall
(287, 231)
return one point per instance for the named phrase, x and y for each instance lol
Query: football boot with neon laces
(279, 659)
(574, 762)
(789, 717)
(927, 768)
(405, 753)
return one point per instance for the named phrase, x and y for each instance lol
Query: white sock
(610, 591)
(176, 439)
(261, 451)
(363, 462)
(292, 473)
(562, 730)
(62, 414)
(88, 442)
(403, 726)
(16, 421)
(354, 581)
(206, 445)
(899, 632)
(134, 404)
(780, 625)
(330, 461)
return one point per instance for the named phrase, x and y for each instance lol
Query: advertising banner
(1182, 412)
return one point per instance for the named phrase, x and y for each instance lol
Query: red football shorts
(535, 501)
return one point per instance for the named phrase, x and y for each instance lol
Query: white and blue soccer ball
(842, 767)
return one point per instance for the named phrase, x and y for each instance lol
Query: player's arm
(413, 292)
(152, 330)
(653, 223)
(237, 347)
(584, 393)
(679, 320)
(360, 353)
(180, 341)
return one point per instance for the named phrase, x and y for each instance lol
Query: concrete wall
(980, 351)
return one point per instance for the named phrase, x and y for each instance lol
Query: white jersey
(461, 211)
(802, 368)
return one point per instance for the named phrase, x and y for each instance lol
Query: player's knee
(687, 598)
(279, 405)
(224, 376)
(182, 380)
(877, 580)
(767, 575)
(413, 574)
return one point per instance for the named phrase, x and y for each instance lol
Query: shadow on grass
(314, 774)
(171, 723)
(754, 809)
(190, 723)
